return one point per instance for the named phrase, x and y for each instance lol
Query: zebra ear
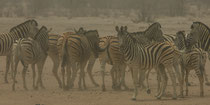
(49, 30)
(121, 28)
(81, 29)
(117, 29)
(125, 28)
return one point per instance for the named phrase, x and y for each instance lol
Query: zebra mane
(43, 28)
(91, 31)
(22, 24)
(197, 22)
(156, 23)
(137, 33)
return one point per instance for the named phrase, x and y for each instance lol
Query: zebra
(74, 51)
(22, 30)
(53, 53)
(157, 55)
(151, 34)
(194, 59)
(199, 36)
(31, 50)
(114, 57)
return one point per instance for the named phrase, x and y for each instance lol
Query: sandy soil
(52, 95)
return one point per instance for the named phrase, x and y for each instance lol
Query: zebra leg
(68, 71)
(164, 80)
(182, 81)
(176, 68)
(56, 64)
(159, 81)
(24, 76)
(40, 66)
(103, 65)
(199, 73)
(82, 69)
(173, 80)
(74, 74)
(147, 82)
(63, 76)
(14, 65)
(113, 76)
(117, 78)
(206, 78)
(142, 78)
(8, 59)
(89, 70)
(122, 70)
(34, 75)
(186, 81)
(135, 82)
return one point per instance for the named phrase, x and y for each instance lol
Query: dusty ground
(93, 95)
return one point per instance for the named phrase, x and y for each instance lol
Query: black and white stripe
(22, 30)
(30, 51)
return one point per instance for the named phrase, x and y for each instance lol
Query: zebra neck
(130, 50)
(204, 41)
(19, 34)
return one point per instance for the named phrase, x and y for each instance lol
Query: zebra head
(93, 38)
(179, 40)
(42, 37)
(122, 34)
(154, 32)
(198, 31)
(80, 31)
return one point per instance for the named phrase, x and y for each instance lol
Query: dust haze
(103, 15)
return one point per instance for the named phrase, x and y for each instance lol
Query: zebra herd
(139, 51)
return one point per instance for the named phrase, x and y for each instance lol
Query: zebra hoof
(148, 91)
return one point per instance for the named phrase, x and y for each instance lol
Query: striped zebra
(22, 30)
(30, 51)
(194, 59)
(54, 55)
(74, 51)
(113, 56)
(158, 55)
(200, 35)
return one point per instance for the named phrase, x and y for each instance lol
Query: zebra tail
(64, 53)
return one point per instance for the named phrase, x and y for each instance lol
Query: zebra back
(93, 41)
